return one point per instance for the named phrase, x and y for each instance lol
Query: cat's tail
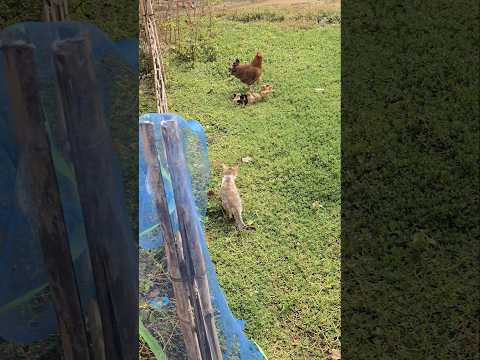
(241, 226)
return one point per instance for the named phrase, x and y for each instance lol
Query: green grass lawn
(283, 278)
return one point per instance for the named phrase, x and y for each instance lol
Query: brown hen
(248, 73)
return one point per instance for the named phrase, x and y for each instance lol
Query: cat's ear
(235, 170)
(224, 167)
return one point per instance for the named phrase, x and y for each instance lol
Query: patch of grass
(39, 350)
(322, 18)
(251, 16)
(297, 18)
(410, 181)
(283, 278)
(12, 12)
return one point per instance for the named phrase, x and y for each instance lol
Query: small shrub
(196, 40)
(209, 52)
(202, 49)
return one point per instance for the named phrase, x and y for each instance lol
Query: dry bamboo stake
(152, 37)
(183, 307)
(189, 228)
(165, 25)
(55, 10)
(178, 23)
(188, 275)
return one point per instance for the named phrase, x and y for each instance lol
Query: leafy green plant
(151, 341)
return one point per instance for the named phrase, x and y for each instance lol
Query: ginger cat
(230, 196)
(252, 98)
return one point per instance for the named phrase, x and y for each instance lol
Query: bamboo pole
(113, 253)
(188, 274)
(189, 228)
(38, 196)
(148, 15)
(177, 15)
(187, 277)
(55, 10)
(174, 257)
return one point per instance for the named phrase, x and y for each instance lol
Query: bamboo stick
(38, 196)
(189, 228)
(55, 10)
(174, 259)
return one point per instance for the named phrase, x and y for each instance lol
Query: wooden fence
(105, 326)
(150, 28)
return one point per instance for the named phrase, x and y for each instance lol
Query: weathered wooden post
(38, 196)
(189, 229)
(113, 251)
(55, 10)
(146, 10)
(174, 256)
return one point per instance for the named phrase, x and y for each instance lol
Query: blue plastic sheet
(234, 343)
